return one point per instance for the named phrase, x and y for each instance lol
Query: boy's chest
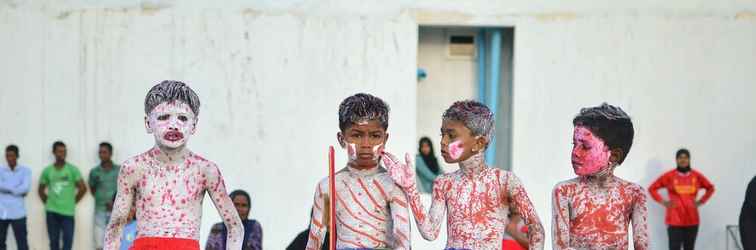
(476, 195)
(364, 196)
(174, 185)
(587, 205)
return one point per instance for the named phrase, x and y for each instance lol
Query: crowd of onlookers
(61, 187)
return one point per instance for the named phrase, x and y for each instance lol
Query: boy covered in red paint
(476, 199)
(168, 182)
(594, 210)
(371, 211)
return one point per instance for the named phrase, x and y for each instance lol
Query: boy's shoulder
(567, 183)
(323, 182)
(630, 186)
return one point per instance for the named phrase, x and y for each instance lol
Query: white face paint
(377, 150)
(172, 123)
(352, 151)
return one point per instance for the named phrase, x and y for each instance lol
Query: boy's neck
(59, 164)
(601, 178)
(473, 165)
(170, 155)
(361, 168)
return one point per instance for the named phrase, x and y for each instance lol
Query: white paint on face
(377, 150)
(172, 123)
(351, 151)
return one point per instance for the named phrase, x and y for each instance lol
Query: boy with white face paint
(477, 199)
(371, 211)
(168, 183)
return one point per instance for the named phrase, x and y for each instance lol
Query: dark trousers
(58, 224)
(19, 231)
(684, 237)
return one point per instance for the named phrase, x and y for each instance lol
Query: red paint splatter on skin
(356, 228)
(590, 154)
(593, 215)
(595, 210)
(176, 186)
(475, 199)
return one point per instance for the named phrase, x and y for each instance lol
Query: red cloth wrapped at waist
(157, 243)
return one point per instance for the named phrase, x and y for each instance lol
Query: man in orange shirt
(682, 186)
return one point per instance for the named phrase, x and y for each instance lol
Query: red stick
(332, 199)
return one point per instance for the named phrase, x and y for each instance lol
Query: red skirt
(158, 243)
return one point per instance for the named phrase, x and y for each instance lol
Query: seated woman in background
(427, 165)
(252, 229)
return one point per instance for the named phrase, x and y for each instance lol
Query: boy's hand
(402, 174)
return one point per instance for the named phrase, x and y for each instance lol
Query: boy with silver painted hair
(371, 210)
(477, 199)
(168, 182)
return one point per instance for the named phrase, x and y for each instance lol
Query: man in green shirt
(66, 188)
(103, 181)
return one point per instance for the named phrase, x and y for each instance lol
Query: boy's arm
(429, 223)
(560, 229)
(526, 210)
(216, 187)
(127, 179)
(400, 219)
(705, 184)
(319, 220)
(640, 221)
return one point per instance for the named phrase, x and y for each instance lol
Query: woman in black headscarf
(427, 165)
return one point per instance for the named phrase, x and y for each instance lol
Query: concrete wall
(271, 74)
(448, 80)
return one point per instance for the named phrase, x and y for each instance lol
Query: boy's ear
(616, 155)
(147, 125)
(480, 144)
(385, 139)
(340, 139)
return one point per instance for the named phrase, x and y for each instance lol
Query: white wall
(448, 80)
(271, 73)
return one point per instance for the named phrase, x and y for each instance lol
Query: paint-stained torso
(371, 211)
(592, 216)
(169, 197)
(477, 207)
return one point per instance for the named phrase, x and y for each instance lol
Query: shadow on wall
(656, 226)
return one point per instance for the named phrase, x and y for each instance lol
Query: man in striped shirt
(371, 210)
